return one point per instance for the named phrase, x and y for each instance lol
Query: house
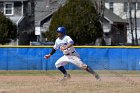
(21, 12)
(43, 13)
(114, 27)
(122, 9)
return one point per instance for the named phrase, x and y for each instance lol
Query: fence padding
(31, 58)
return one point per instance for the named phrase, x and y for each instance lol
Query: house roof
(15, 19)
(113, 17)
(109, 15)
(42, 11)
(13, 0)
(120, 1)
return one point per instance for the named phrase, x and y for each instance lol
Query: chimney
(47, 3)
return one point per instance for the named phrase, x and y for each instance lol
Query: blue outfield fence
(99, 58)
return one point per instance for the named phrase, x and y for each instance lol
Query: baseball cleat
(66, 77)
(97, 77)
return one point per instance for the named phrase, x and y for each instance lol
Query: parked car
(41, 43)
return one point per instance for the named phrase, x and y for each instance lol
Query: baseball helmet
(61, 30)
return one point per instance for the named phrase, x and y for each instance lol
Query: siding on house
(23, 17)
(124, 14)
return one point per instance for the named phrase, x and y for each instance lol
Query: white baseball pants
(72, 58)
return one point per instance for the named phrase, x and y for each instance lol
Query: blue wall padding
(97, 58)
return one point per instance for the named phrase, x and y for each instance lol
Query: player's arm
(51, 53)
(66, 47)
(55, 47)
(70, 44)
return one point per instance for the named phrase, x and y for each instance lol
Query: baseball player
(65, 44)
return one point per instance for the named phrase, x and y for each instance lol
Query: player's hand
(63, 48)
(47, 56)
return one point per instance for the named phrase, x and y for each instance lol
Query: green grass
(25, 73)
(114, 73)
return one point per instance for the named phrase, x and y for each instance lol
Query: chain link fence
(32, 58)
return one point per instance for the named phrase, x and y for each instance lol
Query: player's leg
(77, 61)
(90, 70)
(62, 69)
(60, 66)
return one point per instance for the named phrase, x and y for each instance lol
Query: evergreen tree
(80, 19)
(7, 29)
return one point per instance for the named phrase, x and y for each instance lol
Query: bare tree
(135, 20)
(131, 21)
(100, 6)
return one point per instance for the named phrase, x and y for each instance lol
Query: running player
(65, 44)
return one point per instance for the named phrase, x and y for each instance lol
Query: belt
(70, 53)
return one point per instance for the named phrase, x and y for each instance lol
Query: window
(133, 5)
(138, 5)
(1, 4)
(125, 6)
(111, 6)
(29, 9)
(8, 8)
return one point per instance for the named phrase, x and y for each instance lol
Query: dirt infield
(81, 82)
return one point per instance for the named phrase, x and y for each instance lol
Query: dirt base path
(77, 84)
